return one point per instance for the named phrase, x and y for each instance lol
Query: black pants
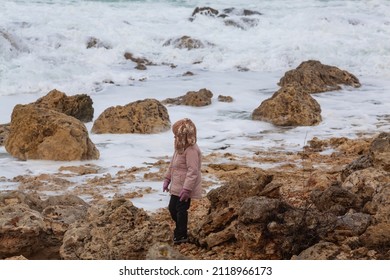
(179, 214)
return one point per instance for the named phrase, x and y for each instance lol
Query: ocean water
(43, 45)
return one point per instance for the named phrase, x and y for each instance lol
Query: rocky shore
(329, 201)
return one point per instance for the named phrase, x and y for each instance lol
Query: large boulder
(289, 106)
(39, 133)
(78, 106)
(198, 98)
(33, 227)
(315, 77)
(144, 116)
(114, 230)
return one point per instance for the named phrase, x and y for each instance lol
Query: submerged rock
(39, 133)
(144, 116)
(198, 98)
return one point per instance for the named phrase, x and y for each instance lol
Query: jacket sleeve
(168, 174)
(192, 161)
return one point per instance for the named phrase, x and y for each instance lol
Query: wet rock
(186, 42)
(141, 62)
(94, 42)
(240, 18)
(289, 106)
(192, 98)
(78, 106)
(223, 98)
(144, 116)
(39, 133)
(315, 77)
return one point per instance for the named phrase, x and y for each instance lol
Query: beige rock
(39, 133)
(143, 116)
(192, 98)
(289, 106)
(185, 42)
(315, 77)
(78, 106)
(20, 230)
(114, 230)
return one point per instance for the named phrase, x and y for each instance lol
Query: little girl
(184, 175)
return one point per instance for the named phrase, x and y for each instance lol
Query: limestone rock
(320, 251)
(115, 230)
(289, 106)
(20, 230)
(143, 116)
(163, 251)
(141, 62)
(240, 18)
(78, 106)
(315, 77)
(94, 42)
(380, 151)
(4, 132)
(223, 98)
(39, 133)
(192, 98)
(334, 199)
(186, 42)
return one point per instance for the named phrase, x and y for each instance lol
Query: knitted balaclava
(185, 134)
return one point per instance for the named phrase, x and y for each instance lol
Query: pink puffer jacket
(184, 171)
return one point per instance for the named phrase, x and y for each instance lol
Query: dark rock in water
(289, 106)
(192, 98)
(78, 106)
(96, 43)
(40, 133)
(143, 116)
(141, 62)
(186, 42)
(240, 18)
(315, 77)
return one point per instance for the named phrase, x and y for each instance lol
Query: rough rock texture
(192, 98)
(289, 106)
(4, 132)
(33, 227)
(39, 133)
(94, 42)
(115, 230)
(223, 98)
(186, 42)
(141, 62)
(144, 116)
(315, 77)
(78, 106)
(240, 18)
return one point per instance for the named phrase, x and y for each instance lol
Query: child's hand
(184, 195)
(166, 184)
